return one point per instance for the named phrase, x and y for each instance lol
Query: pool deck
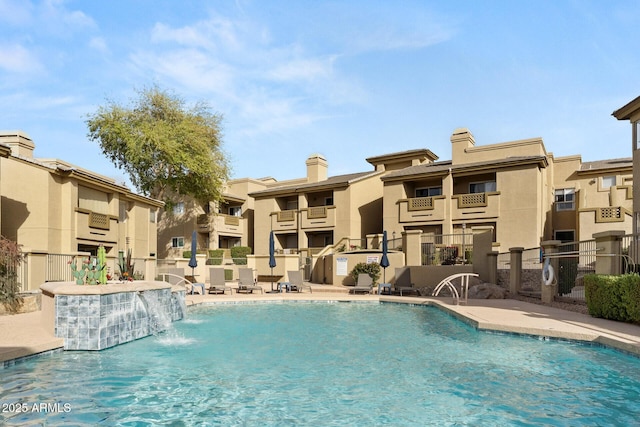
(23, 335)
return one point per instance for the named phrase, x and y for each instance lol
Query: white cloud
(16, 12)
(15, 58)
(99, 44)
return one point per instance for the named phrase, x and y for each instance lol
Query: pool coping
(22, 336)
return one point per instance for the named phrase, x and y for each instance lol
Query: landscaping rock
(487, 291)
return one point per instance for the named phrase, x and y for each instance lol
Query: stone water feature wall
(103, 320)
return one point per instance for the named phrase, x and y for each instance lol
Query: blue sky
(347, 79)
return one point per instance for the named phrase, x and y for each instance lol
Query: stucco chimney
(20, 143)
(317, 167)
(461, 139)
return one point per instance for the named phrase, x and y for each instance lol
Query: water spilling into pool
(330, 365)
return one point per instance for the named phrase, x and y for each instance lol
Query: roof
(331, 182)
(446, 166)
(599, 165)
(625, 112)
(403, 155)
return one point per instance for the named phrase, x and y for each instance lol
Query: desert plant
(10, 259)
(372, 269)
(126, 266)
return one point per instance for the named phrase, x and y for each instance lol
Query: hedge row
(613, 297)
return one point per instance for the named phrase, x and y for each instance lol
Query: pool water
(321, 364)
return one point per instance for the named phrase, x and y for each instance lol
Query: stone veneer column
(412, 248)
(548, 293)
(515, 270)
(492, 263)
(609, 243)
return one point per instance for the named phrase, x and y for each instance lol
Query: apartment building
(55, 209)
(517, 188)
(631, 112)
(310, 213)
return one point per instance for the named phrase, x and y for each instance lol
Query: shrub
(239, 254)
(10, 259)
(215, 256)
(372, 269)
(613, 297)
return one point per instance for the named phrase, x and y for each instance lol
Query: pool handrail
(447, 283)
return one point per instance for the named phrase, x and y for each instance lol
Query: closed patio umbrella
(272, 255)
(193, 262)
(384, 262)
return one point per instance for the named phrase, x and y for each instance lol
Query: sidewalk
(21, 335)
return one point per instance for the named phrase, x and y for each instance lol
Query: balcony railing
(421, 203)
(472, 200)
(422, 209)
(98, 220)
(317, 212)
(289, 215)
(318, 217)
(610, 214)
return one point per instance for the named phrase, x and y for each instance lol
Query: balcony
(476, 206)
(95, 226)
(222, 223)
(318, 217)
(422, 209)
(284, 220)
(610, 214)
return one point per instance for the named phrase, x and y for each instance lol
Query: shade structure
(272, 255)
(384, 262)
(193, 262)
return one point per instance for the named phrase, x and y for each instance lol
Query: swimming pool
(337, 364)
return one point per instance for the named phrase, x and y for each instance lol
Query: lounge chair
(296, 281)
(246, 282)
(403, 282)
(364, 284)
(175, 276)
(217, 283)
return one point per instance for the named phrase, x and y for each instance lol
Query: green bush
(215, 256)
(372, 269)
(239, 254)
(613, 297)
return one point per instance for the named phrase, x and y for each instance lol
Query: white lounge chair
(217, 283)
(296, 281)
(246, 282)
(364, 284)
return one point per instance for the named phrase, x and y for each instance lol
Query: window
(565, 199)
(177, 242)
(152, 216)
(608, 181)
(636, 135)
(565, 236)
(482, 187)
(428, 191)
(328, 201)
(235, 211)
(178, 208)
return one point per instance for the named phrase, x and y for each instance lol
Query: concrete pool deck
(23, 335)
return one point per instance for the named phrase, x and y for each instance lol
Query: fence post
(515, 270)
(412, 247)
(609, 243)
(548, 293)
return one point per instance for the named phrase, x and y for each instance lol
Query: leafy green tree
(166, 148)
